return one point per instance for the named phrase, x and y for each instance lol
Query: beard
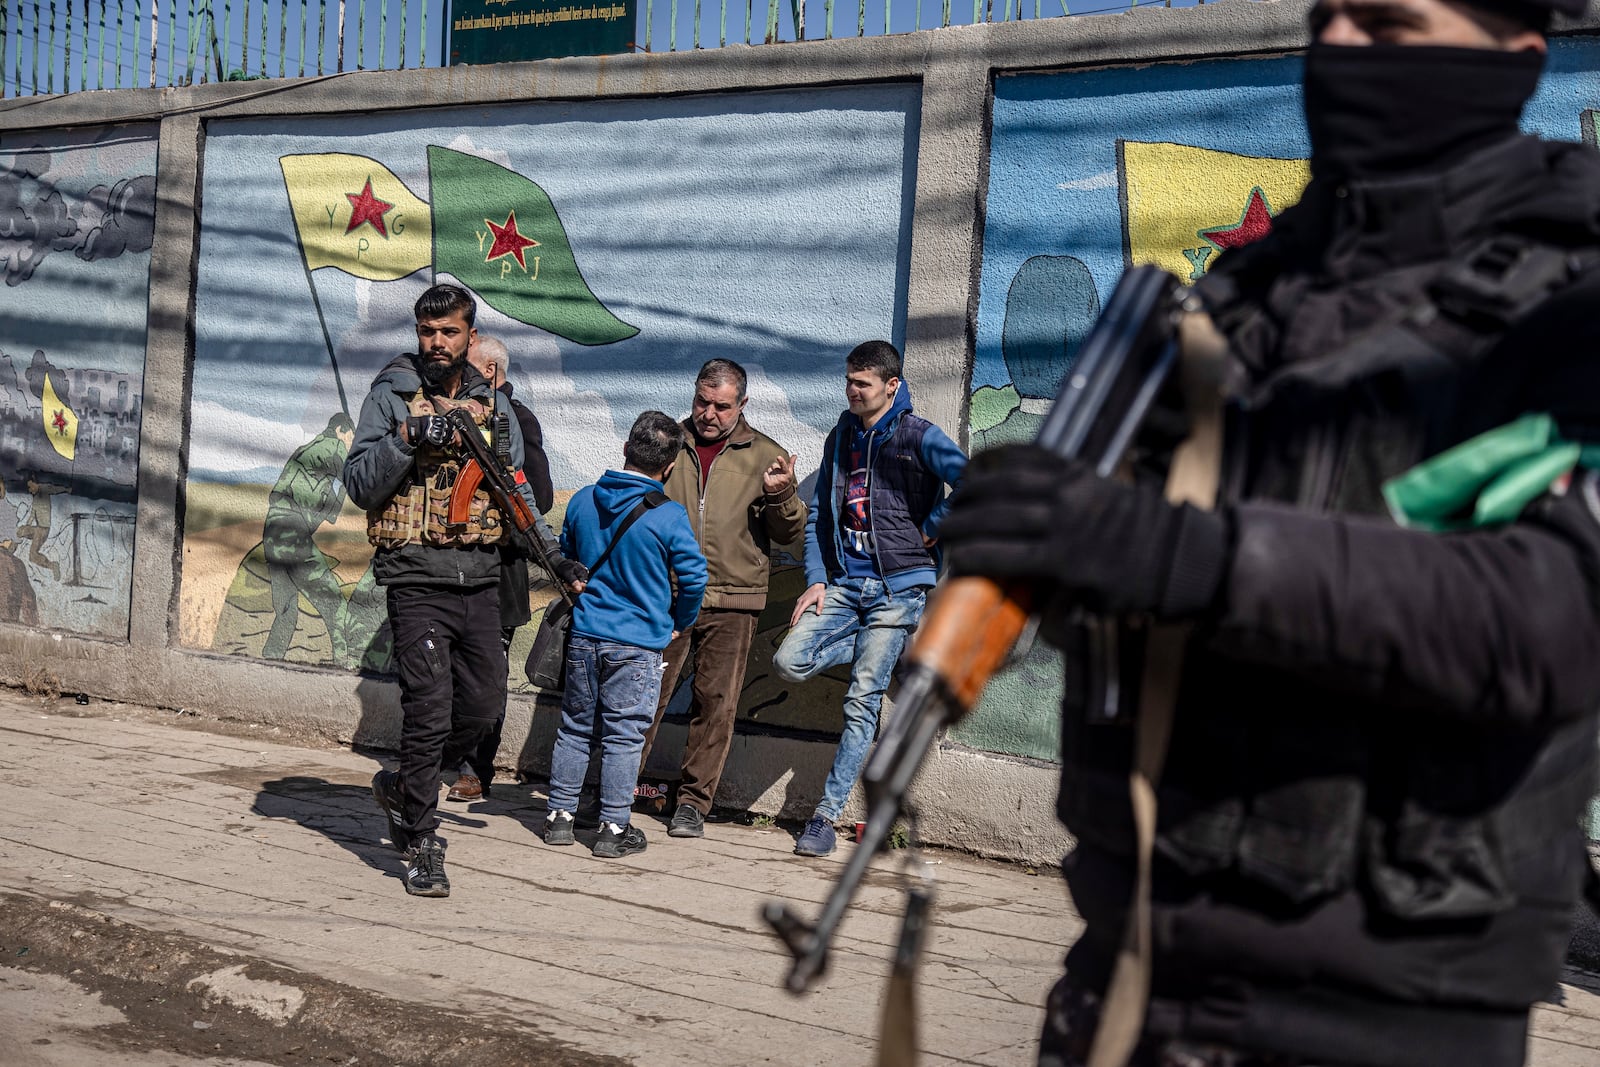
(436, 374)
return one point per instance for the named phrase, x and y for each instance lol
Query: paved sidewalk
(271, 850)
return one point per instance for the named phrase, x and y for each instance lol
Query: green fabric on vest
(1487, 480)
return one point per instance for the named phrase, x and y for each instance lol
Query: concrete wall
(243, 258)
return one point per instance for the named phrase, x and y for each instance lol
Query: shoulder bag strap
(652, 499)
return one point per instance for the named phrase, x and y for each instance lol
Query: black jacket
(514, 575)
(535, 464)
(1369, 841)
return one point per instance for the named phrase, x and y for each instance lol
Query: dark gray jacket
(381, 463)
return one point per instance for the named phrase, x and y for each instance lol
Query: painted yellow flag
(354, 214)
(1184, 205)
(60, 423)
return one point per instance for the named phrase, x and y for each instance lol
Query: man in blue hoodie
(442, 577)
(871, 556)
(637, 545)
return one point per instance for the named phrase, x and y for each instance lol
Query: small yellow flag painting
(60, 423)
(352, 213)
(1184, 205)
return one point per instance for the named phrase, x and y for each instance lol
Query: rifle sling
(1193, 478)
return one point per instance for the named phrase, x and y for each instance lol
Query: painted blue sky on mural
(770, 228)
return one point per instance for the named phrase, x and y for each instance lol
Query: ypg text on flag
(352, 213)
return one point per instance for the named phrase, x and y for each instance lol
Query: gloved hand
(570, 572)
(430, 429)
(1022, 512)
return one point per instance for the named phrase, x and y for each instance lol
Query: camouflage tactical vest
(419, 511)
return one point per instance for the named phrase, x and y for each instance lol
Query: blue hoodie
(630, 599)
(909, 462)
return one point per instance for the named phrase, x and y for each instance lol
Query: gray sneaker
(616, 841)
(687, 822)
(558, 828)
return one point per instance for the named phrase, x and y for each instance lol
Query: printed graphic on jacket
(855, 520)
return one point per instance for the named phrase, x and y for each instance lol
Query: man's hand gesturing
(778, 477)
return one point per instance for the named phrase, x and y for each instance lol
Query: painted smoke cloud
(37, 219)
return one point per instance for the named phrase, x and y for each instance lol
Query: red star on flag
(60, 423)
(508, 242)
(364, 207)
(1254, 224)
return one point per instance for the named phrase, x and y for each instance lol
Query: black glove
(569, 571)
(432, 429)
(1023, 512)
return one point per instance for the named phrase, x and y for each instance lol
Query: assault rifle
(510, 492)
(972, 624)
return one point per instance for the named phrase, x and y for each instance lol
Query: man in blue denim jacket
(871, 555)
(628, 612)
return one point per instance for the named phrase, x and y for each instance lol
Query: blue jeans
(609, 702)
(865, 625)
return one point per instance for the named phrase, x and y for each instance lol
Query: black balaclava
(1385, 109)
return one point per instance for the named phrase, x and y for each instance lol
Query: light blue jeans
(609, 702)
(864, 624)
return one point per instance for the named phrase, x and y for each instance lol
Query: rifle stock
(972, 623)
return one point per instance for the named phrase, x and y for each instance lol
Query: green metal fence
(63, 46)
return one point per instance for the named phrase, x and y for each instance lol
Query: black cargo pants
(452, 667)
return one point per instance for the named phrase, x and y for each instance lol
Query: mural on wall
(1093, 171)
(77, 214)
(613, 248)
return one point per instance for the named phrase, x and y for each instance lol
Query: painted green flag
(499, 234)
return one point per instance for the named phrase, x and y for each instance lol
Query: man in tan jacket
(739, 488)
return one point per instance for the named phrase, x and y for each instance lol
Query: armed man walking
(1367, 843)
(442, 576)
(739, 488)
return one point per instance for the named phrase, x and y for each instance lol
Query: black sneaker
(425, 875)
(616, 841)
(687, 822)
(558, 828)
(386, 791)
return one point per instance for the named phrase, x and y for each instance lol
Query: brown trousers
(719, 642)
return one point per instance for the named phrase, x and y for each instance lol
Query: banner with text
(503, 31)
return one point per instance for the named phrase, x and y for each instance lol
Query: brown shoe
(467, 788)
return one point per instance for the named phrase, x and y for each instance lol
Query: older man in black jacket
(1368, 845)
(489, 357)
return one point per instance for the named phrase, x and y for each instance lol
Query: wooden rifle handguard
(463, 491)
(467, 484)
(969, 628)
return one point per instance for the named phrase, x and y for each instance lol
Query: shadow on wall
(379, 724)
(795, 726)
